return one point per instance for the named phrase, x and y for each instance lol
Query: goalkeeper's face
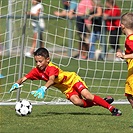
(41, 62)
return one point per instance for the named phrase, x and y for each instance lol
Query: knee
(89, 97)
(78, 102)
(131, 104)
(130, 99)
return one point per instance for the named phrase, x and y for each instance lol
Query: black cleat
(109, 99)
(116, 112)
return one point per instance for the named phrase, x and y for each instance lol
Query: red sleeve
(129, 46)
(36, 74)
(33, 74)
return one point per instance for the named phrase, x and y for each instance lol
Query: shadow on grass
(70, 113)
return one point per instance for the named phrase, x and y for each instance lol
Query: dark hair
(39, 1)
(42, 52)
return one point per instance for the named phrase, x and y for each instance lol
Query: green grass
(66, 119)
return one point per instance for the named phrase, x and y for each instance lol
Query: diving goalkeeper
(68, 83)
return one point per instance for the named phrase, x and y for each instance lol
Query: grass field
(66, 119)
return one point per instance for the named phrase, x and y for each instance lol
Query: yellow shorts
(129, 85)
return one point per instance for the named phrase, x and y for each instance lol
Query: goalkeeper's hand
(40, 92)
(14, 87)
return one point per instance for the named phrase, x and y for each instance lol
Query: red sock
(87, 103)
(101, 102)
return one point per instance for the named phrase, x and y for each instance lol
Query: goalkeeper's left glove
(40, 92)
(14, 87)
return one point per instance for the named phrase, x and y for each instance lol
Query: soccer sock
(101, 102)
(87, 103)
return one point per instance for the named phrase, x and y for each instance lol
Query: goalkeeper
(69, 83)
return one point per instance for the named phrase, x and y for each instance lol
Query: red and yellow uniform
(67, 82)
(129, 50)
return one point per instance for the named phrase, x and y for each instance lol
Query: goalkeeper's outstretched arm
(21, 80)
(50, 81)
(17, 84)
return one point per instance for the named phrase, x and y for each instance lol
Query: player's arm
(98, 14)
(50, 81)
(20, 81)
(40, 93)
(127, 56)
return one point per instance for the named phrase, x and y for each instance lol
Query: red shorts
(77, 88)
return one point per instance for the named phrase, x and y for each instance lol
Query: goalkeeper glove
(14, 87)
(40, 92)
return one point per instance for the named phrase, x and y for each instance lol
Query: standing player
(69, 83)
(38, 25)
(96, 17)
(127, 29)
(113, 26)
(84, 6)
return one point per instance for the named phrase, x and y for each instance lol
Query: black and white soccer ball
(23, 107)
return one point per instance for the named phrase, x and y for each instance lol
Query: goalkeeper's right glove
(14, 87)
(40, 93)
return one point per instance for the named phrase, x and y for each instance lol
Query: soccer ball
(23, 108)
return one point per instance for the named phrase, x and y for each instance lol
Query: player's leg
(129, 89)
(77, 100)
(92, 45)
(78, 89)
(101, 102)
(81, 88)
(96, 99)
(130, 99)
(34, 42)
(80, 102)
(114, 39)
(84, 50)
(41, 40)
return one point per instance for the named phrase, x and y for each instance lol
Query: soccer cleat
(116, 112)
(109, 99)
